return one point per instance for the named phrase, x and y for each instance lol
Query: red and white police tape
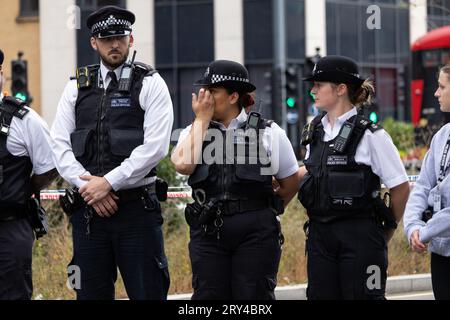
(55, 194)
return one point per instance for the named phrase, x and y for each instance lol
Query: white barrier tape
(55, 194)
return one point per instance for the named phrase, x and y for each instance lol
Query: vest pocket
(307, 191)
(124, 141)
(79, 140)
(344, 188)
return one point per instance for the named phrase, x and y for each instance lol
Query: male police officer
(24, 148)
(112, 127)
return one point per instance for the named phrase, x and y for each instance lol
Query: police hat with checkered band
(228, 74)
(110, 21)
(336, 69)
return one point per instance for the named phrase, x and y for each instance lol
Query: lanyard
(437, 201)
(444, 165)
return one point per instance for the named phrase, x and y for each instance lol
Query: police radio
(342, 139)
(126, 76)
(253, 120)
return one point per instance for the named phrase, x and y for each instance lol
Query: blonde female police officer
(347, 155)
(235, 242)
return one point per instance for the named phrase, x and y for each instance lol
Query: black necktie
(113, 84)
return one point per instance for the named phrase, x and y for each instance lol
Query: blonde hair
(446, 69)
(361, 95)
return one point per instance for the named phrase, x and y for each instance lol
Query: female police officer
(347, 155)
(236, 240)
(431, 192)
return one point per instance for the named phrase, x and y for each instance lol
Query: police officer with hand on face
(347, 156)
(26, 167)
(230, 158)
(112, 128)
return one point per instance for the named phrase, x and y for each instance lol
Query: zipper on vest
(224, 176)
(99, 135)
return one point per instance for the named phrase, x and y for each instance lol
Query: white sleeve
(385, 159)
(30, 137)
(158, 120)
(284, 162)
(63, 125)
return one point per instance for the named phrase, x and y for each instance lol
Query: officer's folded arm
(288, 187)
(188, 151)
(399, 196)
(41, 181)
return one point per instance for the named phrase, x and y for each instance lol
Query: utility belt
(73, 200)
(378, 210)
(10, 214)
(32, 211)
(209, 214)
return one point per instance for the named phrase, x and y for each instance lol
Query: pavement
(407, 287)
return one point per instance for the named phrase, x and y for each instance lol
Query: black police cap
(2, 57)
(110, 21)
(227, 74)
(336, 69)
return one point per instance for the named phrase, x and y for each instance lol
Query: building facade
(181, 37)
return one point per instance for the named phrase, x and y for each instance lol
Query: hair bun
(248, 100)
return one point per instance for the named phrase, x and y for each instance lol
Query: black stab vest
(234, 175)
(335, 186)
(109, 123)
(15, 172)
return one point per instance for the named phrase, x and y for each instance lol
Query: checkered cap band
(215, 78)
(111, 21)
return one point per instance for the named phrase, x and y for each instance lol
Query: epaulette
(150, 71)
(375, 127)
(267, 122)
(14, 106)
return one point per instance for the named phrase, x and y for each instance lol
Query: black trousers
(16, 244)
(440, 276)
(347, 259)
(132, 241)
(242, 264)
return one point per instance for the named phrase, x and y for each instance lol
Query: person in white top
(427, 214)
(26, 167)
(347, 157)
(112, 128)
(230, 158)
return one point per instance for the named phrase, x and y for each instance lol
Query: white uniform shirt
(275, 142)
(29, 137)
(375, 149)
(158, 120)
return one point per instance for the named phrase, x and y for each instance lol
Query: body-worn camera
(307, 134)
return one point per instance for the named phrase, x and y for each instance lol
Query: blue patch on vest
(121, 103)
